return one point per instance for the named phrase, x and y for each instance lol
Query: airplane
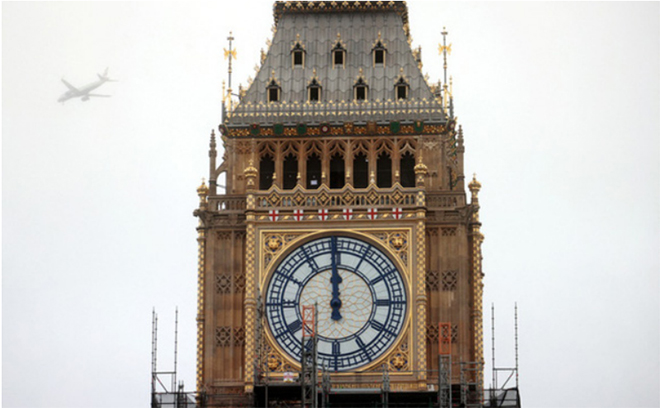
(84, 92)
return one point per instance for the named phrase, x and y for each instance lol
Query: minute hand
(335, 279)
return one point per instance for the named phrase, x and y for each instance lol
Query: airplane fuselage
(83, 92)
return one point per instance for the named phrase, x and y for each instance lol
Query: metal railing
(331, 198)
(336, 111)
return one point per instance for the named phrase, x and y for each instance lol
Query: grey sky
(560, 106)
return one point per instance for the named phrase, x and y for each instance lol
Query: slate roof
(315, 26)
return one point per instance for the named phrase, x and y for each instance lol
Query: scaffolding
(385, 389)
(444, 365)
(308, 375)
(326, 385)
(500, 395)
(314, 384)
(162, 395)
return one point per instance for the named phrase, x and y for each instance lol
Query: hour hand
(335, 303)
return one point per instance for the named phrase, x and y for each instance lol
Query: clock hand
(335, 279)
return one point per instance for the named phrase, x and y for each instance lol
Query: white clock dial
(356, 305)
(359, 294)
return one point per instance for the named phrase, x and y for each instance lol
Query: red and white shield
(397, 213)
(323, 214)
(348, 214)
(372, 213)
(298, 215)
(274, 215)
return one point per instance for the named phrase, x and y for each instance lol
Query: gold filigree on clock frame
(399, 358)
(273, 243)
(396, 241)
(273, 362)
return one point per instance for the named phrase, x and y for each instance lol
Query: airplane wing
(103, 96)
(71, 87)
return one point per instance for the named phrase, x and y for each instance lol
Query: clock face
(359, 295)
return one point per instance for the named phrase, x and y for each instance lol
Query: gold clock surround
(293, 238)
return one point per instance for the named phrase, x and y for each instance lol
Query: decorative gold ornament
(274, 243)
(397, 241)
(273, 362)
(398, 361)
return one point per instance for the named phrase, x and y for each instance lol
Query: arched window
(274, 92)
(337, 175)
(401, 89)
(298, 56)
(379, 56)
(379, 52)
(360, 171)
(266, 170)
(338, 54)
(290, 170)
(360, 90)
(384, 170)
(314, 91)
(313, 171)
(407, 166)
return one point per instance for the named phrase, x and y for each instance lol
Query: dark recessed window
(273, 94)
(298, 58)
(337, 177)
(266, 170)
(384, 171)
(290, 169)
(379, 51)
(379, 57)
(338, 57)
(407, 165)
(401, 92)
(273, 90)
(360, 92)
(360, 171)
(314, 89)
(313, 171)
(314, 93)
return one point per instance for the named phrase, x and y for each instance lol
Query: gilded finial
(474, 185)
(420, 167)
(445, 49)
(202, 192)
(250, 173)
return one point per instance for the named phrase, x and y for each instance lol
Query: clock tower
(345, 192)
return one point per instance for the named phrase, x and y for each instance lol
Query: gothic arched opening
(360, 171)
(266, 170)
(384, 170)
(290, 170)
(313, 171)
(337, 172)
(407, 171)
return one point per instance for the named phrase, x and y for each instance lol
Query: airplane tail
(104, 77)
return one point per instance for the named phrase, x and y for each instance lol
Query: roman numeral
(295, 326)
(362, 346)
(377, 325)
(336, 349)
(381, 328)
(378, 279)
